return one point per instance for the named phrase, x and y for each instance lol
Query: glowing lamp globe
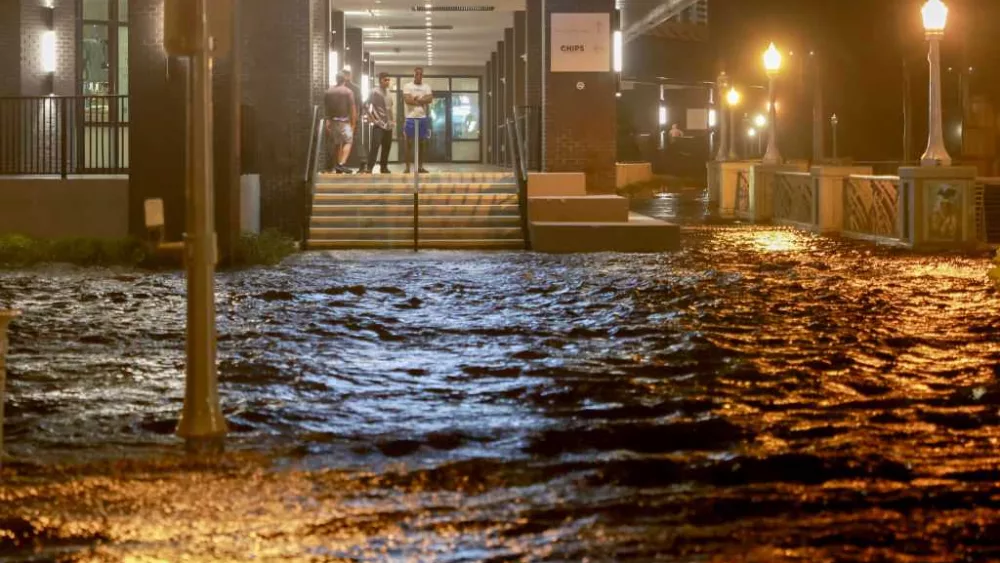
(935, 15)
(733, 97)
(772, 59)
(760, 121)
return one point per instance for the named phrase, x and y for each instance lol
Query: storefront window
(104, 47)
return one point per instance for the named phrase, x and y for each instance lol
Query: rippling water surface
(761, 395)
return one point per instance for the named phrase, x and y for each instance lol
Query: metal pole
(5, 318)
(732, 134)
(772, 156)
(202, 424)
(416, 185)
(834, 122)
(721, 85)
(936, 154)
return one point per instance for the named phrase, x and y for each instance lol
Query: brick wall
(34, 81)
(581, 125)
(10, 48)
(277, 82)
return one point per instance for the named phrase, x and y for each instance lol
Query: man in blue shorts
(417, 98)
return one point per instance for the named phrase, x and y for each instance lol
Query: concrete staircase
(472, 210)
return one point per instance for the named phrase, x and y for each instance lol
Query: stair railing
(312, 168)
(515, 140)
(416, 183)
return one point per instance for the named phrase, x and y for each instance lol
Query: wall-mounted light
(713, 118)
(365, 86)
(663, 116)
(618, 46)
(49, 51)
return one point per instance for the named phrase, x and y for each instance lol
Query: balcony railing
(63, 136)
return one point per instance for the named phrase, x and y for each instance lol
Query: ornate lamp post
(721, 85)
(733, 99)
(834, 122)
(772, 63)
(935, 15)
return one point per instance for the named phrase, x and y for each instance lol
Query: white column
(936, 154)
(772, 156)
(720, 90)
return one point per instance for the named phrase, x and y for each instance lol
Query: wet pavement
(762, 395)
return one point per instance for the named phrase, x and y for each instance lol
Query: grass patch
(20, 251)
(268, 248)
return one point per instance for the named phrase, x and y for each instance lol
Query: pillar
(942, 207)
(511, 62)
(579, 108)
(158, 117)
(520, 55)
(533, 80)
(500, 102)
(355, 53)
(227, 103)
(488, 105)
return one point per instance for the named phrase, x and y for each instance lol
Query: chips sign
(180, 27)
(581, 42)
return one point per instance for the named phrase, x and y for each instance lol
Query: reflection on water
(761, 395)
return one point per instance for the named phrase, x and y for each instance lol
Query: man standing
(417, 97)
(348, 77)
(381, 112)
(341, 119)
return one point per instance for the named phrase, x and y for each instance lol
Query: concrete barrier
(631, 172)
(829, 185)
(5, 318)
(46, 207)
(580, 209)
(542, 184)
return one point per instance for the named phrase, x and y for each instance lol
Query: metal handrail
(312, 164)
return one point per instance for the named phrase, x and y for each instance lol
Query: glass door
(439, 145)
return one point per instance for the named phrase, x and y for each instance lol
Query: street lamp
(772, 63)
(733, 99)
(935, 15)
(834, 122)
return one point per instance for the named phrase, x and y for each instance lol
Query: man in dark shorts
(382, 115)
(341, 120)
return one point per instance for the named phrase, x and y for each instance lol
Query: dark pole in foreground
(201, 423)
(833, 123)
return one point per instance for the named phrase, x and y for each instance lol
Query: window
(104, 47)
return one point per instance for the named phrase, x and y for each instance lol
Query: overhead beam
(655, 17)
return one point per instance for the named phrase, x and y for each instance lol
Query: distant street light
(935, 15)
(759, 121)
(772, 63)
(733, 98)
(834, 122)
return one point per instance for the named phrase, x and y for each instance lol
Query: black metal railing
(63, 135)
(514, 131)
(313, 158)
(988, 209)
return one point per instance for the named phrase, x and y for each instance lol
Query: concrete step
(424, 199)
(457, 244)
(406, 221)
(434, 177)
(434, 233)
(578, 209)
(646, 235)
(402, 188)
(372, 209)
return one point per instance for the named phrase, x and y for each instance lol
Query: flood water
(763, 394)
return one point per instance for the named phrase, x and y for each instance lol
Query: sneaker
(341, 170)
(407, 171)
(384, 170)
(423, 170)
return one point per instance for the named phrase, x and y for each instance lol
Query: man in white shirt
(417, 97)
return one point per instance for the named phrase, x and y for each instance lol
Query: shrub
(20, 250)
(268, 248)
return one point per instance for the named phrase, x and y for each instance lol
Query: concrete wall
(94, 206)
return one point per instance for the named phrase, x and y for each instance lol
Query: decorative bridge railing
(52, 135)
(795, 198)
(743, 192)
(988, 209)
(875, 208)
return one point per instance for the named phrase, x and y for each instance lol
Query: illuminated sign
(581, 43)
